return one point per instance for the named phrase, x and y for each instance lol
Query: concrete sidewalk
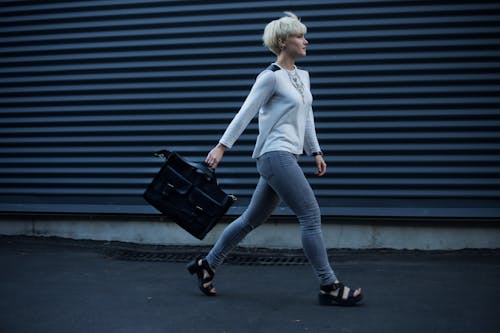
(53, 286)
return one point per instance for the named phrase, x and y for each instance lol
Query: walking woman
(281, 96)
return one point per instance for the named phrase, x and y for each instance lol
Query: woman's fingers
(214, 157)
(320, 162)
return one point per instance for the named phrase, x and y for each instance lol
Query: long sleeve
(311, 143)
(260, 93)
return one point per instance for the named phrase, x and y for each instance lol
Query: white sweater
(286, 121)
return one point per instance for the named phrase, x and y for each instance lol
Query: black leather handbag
(188, 193)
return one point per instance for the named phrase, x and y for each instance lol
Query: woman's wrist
(221, 146)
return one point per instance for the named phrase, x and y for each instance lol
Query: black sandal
(326, 296)
(200, 266)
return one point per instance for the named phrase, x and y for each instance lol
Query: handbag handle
(201, 167)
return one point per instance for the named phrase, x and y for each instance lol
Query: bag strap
(203, 168)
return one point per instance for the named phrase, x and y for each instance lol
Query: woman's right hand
(215, 155)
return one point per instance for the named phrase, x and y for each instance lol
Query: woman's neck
(285, 62)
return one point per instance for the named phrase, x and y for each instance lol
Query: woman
(283, 100)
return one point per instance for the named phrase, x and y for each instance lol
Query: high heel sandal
(327, 296)
(200, 267)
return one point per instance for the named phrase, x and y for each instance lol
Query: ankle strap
(332, 287)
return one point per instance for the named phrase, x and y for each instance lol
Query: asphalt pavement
(53, 285)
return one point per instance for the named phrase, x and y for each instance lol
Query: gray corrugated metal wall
(406, 101)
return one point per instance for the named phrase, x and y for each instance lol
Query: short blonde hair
(281, 29)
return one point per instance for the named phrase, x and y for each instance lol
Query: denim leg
(264, 201)
(283, 173)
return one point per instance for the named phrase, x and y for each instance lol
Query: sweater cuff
(228, 146)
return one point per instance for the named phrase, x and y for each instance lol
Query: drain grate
(274, 258)
(271, 260)
(120, 254)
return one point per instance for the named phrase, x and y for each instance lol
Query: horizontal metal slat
(375, 193)
(61, 37)
(36, 65)
(202, 127)
(197, 9)
(340, 136)
(122, 112)
(443, 67)
(411, 102)
(380, 149)
(64, 167)
(166, 91)
(336, 47)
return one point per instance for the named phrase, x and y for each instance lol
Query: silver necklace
(297, 83)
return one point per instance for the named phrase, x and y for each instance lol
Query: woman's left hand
(320, 163)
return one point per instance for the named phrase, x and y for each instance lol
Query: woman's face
(296, 46)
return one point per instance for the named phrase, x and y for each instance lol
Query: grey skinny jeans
(281, 178)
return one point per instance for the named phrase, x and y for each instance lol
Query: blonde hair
(281, 29)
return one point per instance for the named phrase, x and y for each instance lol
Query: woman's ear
(282, 44)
